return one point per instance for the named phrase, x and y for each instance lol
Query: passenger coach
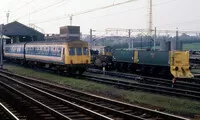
(69, 56)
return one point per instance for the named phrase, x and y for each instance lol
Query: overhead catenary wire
(101, 8)
(40, 9)
(181, 23)
(87, 11)
(139, 8)
(84, 12)
(24, 5)
(59, 4)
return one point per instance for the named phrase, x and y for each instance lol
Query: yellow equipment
(179, 64)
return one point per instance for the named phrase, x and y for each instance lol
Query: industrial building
(18, 32)
(66, 33)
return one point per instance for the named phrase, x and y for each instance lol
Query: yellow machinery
(174, 62)
(179, 64)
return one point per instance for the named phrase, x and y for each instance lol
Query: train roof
(50, 42)
(99, 47)
(54, 42)
(21, 43)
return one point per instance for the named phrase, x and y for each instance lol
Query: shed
(18, 32)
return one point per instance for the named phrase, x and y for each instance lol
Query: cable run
(40, 9)
(88, 11)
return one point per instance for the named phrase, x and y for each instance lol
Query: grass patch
(195, 70)
(191, 46)
(170, 104)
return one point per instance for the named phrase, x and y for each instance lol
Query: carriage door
(63, 55)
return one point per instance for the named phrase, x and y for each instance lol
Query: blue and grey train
(68, 56)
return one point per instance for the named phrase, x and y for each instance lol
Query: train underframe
(71, 69)
(147, 70)
(102, 61)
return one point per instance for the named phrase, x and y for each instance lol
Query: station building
(16, 32)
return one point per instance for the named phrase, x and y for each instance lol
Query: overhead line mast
(150, 18)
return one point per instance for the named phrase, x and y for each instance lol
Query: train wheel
(125, 68)
(144, 70)
(118, 66)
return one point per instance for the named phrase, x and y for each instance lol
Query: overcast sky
(167, 14)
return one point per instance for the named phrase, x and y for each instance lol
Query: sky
(49, 15)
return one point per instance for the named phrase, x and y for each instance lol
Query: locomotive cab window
(71, 51)
(85, 51)
(108, 50)
(79, 51)
(101, 52)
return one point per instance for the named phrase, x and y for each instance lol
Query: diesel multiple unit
(69, 56)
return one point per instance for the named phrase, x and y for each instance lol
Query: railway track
(106, 107)
(146, 87)
(6, 113)
(145, 78)
(187, 89)
(46, 105)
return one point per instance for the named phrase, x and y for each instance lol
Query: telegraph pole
(70, 18)
(7, 15)
(154, 42)
(129, 41)
(141, 43)
(150, 20)
(1, 48)
(177, 40)
(90, 38)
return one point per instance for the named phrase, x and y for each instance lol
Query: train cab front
(179, 64)
(78, 57)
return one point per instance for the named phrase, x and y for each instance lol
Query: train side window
(108, 50)
(79, 51)
(59, 51)
(101, 52)
(34, 50)
(27, 50)
(85, 51)
(71, 51)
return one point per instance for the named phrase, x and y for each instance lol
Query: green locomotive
(174, 63)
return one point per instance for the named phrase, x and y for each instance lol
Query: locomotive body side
(172, 63)
(165, 63)
(123, 60)
(153, 58)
